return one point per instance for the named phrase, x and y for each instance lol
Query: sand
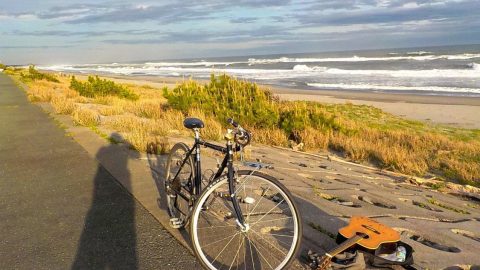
(461, 112)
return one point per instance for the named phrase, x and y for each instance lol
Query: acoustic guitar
(361, 231)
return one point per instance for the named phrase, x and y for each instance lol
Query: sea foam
(332, 86)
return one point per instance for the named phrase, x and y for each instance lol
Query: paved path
(60, 209)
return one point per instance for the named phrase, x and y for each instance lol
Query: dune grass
(95, 86)
(35, 75)
(357, 132)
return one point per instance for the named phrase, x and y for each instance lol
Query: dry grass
(269, 136)
(86, 117)
(111, 110)
(360, 133)
(148, 108)
(37, 94)
(143, 141)
(213, 130)
(62, 105)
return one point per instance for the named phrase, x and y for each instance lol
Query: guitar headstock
(323, 262)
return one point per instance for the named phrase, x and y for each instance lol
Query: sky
(105, 31)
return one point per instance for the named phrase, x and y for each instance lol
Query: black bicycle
(239, 219)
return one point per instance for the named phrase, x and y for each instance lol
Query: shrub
(34, 75)
(96, 87)
(2, 66)
(226, 97)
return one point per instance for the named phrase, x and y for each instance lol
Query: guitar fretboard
(346, 244)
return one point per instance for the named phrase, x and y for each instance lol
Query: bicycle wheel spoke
(261, 255)
(263, 221)
(269, 211)
(221, 239)
(248, 215)
(251, 253)
(281, 235)
(279, 257)
(233, 237)
(273, 245)
(236, 254)
(213, 227)
(244, 181)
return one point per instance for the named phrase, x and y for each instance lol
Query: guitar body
(362, 231)
(377, 233)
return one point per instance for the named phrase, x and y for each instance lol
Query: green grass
(451, 208)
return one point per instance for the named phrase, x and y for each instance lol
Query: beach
(440, 85)
(455, 111)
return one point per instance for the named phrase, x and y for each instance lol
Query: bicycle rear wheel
(178, 207)
(273, 232)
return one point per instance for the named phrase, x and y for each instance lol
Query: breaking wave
(393, 88)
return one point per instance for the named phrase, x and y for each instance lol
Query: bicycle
(242, 219)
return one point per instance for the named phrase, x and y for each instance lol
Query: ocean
(448, 71)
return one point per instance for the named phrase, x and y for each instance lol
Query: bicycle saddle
(193, 123)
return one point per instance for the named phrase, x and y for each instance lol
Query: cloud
(163, 14)
(35, 46)
(244, 20)
(21, 16)
(394, 12)
(199, 36)
(65, 33)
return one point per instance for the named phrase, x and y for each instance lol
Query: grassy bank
(361, 133)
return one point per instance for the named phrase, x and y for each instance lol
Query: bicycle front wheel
(271, 236)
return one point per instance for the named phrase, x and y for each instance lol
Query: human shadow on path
(108, 240)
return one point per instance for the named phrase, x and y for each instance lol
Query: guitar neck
(345, 245)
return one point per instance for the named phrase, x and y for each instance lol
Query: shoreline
(454, 111)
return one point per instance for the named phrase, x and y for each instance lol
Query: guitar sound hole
(365, 236)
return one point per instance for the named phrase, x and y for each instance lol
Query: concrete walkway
(61, 209)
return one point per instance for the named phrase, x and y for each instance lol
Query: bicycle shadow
(157, 165)
(109, 240)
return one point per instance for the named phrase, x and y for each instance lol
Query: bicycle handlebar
(242, 137)
(233, 123)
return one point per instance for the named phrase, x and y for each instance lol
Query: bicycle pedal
(176, 223)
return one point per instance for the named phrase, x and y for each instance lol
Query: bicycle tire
(184, 180)
(258, 243)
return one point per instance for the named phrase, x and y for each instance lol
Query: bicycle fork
(231, 185)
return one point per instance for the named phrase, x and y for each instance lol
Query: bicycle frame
(226, 163)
